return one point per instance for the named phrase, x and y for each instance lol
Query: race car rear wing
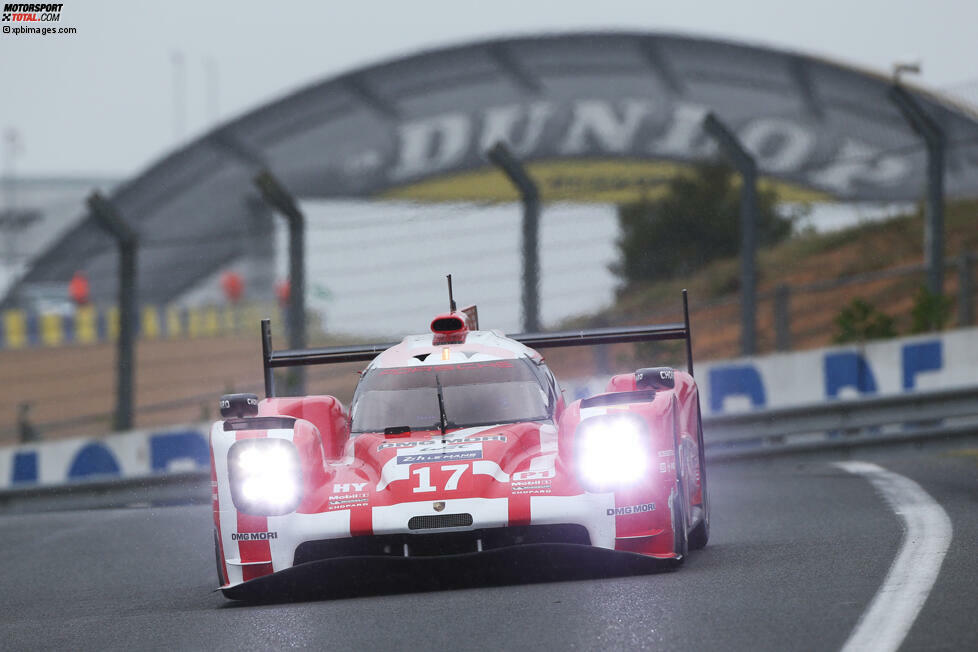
(365, 352)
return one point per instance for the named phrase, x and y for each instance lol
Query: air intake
(440, 521)
(448, 328)
(447, 325)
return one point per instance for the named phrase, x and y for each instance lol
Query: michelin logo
(632, 509)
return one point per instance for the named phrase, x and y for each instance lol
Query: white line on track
(927, 535)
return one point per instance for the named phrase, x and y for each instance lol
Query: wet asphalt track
(798, 550)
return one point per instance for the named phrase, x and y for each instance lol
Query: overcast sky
(100, 102)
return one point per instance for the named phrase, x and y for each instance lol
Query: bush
(860, 321)
(697, 221)
(931, 312)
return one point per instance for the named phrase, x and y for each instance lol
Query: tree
(696, 222)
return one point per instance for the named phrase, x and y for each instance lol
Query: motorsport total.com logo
(30, 13)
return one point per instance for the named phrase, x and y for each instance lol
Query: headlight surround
(612, 451)
(265, 476)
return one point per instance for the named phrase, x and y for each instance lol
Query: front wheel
(217, 557)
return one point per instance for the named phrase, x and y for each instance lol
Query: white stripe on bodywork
(489, 467)
(587, 413)
(221, 440)
(544, 463)
(926, 538)
(486, 343)
(294, 529)
(589, 510)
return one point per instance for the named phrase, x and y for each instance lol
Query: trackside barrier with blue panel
(913, 366)
(20, 329)
(136, 454)
(927, 362)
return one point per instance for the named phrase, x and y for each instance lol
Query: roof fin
(451, 298)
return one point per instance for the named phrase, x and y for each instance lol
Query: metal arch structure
(595, 116)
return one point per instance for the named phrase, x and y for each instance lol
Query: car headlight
(612, 450)
(265, 476)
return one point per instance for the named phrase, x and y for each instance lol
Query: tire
(679, 528)
(700, 535)
(680, 525)
(217, 558)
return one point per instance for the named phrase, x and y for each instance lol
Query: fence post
(500, 156)
(935, 141)
(966, 289)
(108, 217)
(782, 318)
(742, 160)
(275, 194)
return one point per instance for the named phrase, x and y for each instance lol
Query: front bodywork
(465, 491)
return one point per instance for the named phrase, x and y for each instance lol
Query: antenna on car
(451, 298)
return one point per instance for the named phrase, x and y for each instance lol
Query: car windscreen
(476, 393)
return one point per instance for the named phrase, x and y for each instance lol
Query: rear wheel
(701, 533)
(679, 526)
(680, 513)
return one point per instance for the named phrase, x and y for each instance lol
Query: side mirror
(239, 405)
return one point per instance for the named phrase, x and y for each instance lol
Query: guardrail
(180, 488)
(146, 467)
(908, 417)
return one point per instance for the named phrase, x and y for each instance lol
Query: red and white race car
(457, 442)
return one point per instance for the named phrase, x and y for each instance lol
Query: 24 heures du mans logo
(29, 13)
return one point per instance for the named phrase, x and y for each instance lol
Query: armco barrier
(20, 329)
(125, 456)
(165, 489)
(918, 417)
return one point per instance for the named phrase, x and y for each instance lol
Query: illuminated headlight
(612, 451)
(265, 476)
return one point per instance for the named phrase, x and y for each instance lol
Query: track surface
(799, 549)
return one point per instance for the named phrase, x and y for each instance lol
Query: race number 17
(424, 477)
